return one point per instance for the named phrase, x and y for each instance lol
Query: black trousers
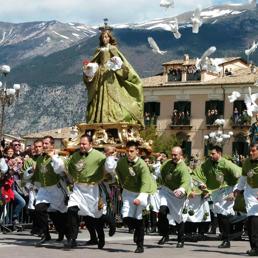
(138, 226)
(41, 217)
(163, 224)
(252, 227)
(60, 221)
(224, 226)
(95, 227)
(72, 228)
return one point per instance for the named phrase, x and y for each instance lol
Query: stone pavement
(21, 244)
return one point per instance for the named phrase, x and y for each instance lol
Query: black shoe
(153, 230)
(180, 245)
(163, 240)
(112, 230)
(60, 237)
(92, 242)
(252, 252)
(43, 240)
(139, 249)
(71, 243)
(224, 244)
(101, 244)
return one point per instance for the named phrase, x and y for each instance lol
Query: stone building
(186, 101)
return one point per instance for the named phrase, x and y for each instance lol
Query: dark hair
(132, 144)
(254, 145)
(8, 148)
(38, 140)
(52, 140)
(88, 137)
(112, 40)
(217, 148)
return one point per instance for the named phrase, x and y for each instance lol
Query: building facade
(186, 101)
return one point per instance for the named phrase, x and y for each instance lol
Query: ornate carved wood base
(115, 134)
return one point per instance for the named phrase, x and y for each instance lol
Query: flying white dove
(115, 63)
(201, 62)
(174, 28)
(214, 65)
(250, 102)
(5, 69)
(155, 47)
(167, 3)
(90, 69)
(234, 96)
(251, 50)
(196, 20)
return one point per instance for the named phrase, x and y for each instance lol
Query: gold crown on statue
(105, 27)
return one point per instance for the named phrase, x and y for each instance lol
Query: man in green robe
(86, 167)
(176, 183)
(249, 183)
(47, 176)
(217, 177)
(137, 183)
(27, 172)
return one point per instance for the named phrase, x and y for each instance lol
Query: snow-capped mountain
(51, 69)
(208, 15)
(27, 40)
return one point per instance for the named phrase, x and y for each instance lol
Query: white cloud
(92, 12)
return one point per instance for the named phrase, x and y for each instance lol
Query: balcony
(180, 122)
(242, 121)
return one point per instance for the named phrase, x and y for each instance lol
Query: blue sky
(92, 12)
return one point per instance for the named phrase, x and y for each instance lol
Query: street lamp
(7, 95)
(218, 137)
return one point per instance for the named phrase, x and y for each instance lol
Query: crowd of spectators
(180, 117)
(212, 116)
(150, 119)
(239, 118)
(12, 158)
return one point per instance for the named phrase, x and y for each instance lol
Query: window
(186, 145)
(151, 113)
(187, 149)
(240, 146)
(181, 113)
(174, 75)
(192, 74)
(240, 116)
(214, 109)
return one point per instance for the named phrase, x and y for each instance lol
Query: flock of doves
(205, 62)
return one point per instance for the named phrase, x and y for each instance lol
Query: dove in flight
(234, 96)
(250, 100)
(201, 62)
(251, 49)
(174, 28)
(155, 47)
(196, 20)
(167, 3)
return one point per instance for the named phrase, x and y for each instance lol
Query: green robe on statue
(114, 96)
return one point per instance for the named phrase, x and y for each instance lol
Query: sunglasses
(17, 144)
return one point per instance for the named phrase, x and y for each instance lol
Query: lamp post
(7, 95)
(218, 137)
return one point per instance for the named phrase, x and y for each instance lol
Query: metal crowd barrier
(6, 222)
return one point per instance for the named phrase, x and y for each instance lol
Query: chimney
(186, 57)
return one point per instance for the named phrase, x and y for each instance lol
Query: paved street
(120, 245)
